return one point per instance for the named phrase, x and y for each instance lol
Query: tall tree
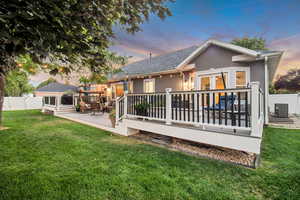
(46, 82)
(17, 83)
(289, 82)
(75, 34)
(254, 43)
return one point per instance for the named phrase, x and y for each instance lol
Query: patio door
(213, 82)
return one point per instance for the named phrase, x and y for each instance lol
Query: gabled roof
(159, 63)
(57, 87)
(177, 60)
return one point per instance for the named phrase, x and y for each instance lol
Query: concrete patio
(98, 120)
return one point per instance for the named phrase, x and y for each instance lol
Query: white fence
(293, 100)
(22, 103)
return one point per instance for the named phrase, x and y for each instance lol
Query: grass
(44, 157)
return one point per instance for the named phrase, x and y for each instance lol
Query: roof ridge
(164, 54)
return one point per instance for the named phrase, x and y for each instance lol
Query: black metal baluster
(214, 113)
(225, 108)
(188, 96)
(180, 103)
(165, 105)
(176, 105)
(220, 114)
(233, 120)
(197, 107)
(239, 109)
(202, 95)
(184, 107)
(193, 107)
(161, 106)
(172, 100)
(246, 109)
(157, 104)
(208, 106)
(148, 105)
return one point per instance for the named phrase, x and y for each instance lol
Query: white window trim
(148, 80)
(231, 75)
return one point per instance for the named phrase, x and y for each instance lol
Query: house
(57, 96)
(210, 66)
(215, 93)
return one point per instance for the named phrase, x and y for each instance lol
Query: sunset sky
(194, 21)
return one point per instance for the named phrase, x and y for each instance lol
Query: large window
(119, 89)
(205, 83)
(240, 77)
(149, 85)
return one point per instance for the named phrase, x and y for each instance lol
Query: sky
(195, 21)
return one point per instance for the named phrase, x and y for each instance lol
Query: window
(149, 85)
(240, 79)
(205, 83)
(220, 83)
(119, 89)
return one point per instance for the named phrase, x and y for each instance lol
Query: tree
(250, 43)
(72, 34)
(17, 84)
(289, 82)
(46, 82)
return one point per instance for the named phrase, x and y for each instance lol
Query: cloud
(154, 40)
(291, 56)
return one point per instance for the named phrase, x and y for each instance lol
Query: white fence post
(168, 106)
(255, 109)
(57, 100)
(125, 103)
(117, 110)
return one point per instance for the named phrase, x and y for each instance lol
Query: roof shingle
(159, 63)
(57, 87)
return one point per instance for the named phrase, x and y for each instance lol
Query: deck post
(125, 103)
(117, 110)
(254, 108)
(168, 106)
(57, 101)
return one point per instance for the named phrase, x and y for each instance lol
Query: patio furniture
(84, 106)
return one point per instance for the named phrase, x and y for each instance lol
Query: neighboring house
(57, 96)
(204, 67)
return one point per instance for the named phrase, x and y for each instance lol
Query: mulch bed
(199, 149)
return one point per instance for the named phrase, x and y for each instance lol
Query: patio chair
(221, 105)
(84, 107)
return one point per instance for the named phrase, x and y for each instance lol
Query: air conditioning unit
(281, 110)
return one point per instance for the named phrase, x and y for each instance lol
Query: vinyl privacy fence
(293, 101)
(22, 103)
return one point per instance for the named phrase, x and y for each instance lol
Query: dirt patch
(53, 122)
(120, 140)
(199, 149)
(2, 128)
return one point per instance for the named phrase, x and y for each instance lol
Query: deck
(100, 121)
(231, 118)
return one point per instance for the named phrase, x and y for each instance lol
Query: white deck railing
(238, 109)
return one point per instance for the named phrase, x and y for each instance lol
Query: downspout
(266, 91)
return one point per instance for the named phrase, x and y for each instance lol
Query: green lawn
(44, 157)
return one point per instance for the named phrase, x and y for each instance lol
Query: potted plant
(77, 108)
(112, 117)
(142, 109)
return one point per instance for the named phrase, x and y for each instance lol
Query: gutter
(266, 91)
